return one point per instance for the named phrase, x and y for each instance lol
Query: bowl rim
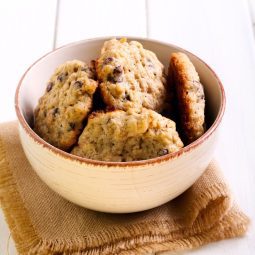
(146, 162)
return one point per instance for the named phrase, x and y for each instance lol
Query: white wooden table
(219, 31)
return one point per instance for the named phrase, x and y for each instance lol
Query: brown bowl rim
(146, 162)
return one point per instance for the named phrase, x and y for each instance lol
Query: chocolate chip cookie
(130, 76)
(190, 96)
(127, 136)
(61, 111)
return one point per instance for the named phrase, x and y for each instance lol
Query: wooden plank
(252, 10)
(27, 29)
(81, 19)
(252, 13)
(221, 33)
(6, 242)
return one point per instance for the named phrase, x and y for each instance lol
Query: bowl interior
(34, 82)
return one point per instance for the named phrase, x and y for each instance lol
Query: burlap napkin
(41, 222)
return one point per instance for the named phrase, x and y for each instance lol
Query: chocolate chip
(163, 152)
(93, 63)
(71, 126)
(117, 70)
(127, 97)
(110, 78)
(55, 111)
(78, 84)
(92, 69)
(114, 79)
(108, 60)
(62, 77)
(116, 75)
(49, 86)
(75, 69)
(149, 63)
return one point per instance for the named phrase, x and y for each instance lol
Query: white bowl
(111, 186)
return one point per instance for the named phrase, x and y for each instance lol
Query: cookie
(61, 111)
(190, 96)
(130, 76)
(127, 136)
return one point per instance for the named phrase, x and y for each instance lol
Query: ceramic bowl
(110, 186)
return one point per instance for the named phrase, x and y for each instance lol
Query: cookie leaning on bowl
(189, 95)
(130, 76)
(61, 111)
(127, 136)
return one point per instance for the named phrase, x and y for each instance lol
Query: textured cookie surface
(190, 96)
(127, 136)
(60, 113)
(130, 76)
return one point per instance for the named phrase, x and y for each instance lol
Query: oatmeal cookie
(190, 96)
(61, 111)
(126, 136)
(130, 76)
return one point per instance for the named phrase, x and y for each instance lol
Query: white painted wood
(252, 10)
(82, 19)
(6, 242)
(221, 33)
(27, 29)
(218, 31)
(252, 13)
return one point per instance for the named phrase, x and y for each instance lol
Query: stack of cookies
(112, 109)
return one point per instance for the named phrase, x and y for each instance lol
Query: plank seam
(147, 18)
(56, 25)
